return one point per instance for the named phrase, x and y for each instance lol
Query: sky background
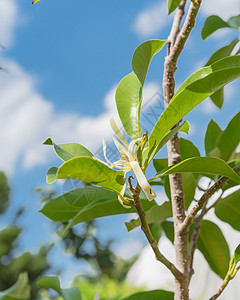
(63, 61)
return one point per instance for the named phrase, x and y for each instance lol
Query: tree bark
(176, 42)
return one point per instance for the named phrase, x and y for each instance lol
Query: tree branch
(205, 197)
(145, 228)
(176, 42)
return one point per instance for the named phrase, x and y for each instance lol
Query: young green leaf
(52, 174)
(228, 210)
(172, 5)
(218, 97)
(92, 171)
(212, 133)
(192, 92)
(68, 151)
(204, 165)
(211, 242)
(142, 57)
(20, 290)
(229, 139)
(214, 23)
(129, 91)
(153, 295)
(52, 282)
(237, 254)
(153, 215)
(128, 100)
(188, 149)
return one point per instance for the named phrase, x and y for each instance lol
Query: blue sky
(63, 61)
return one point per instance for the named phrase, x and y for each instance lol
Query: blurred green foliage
(11, 265)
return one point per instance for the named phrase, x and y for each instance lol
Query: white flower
(128, 163)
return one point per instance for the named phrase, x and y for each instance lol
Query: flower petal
(118, 132)
(142, 180)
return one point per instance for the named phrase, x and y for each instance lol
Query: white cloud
(222, 8)
(27, 119)
(8, 14)
(152, 19)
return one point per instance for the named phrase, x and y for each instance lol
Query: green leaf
(169, 230)
(228, 210)
(153, 215)
(52, 174)
(128, 100)
(172, 5)
(156, 230)
(192, 92)
(212, 133)
(212, 24)
(66, 206)
(104, 207)
(153, 295)
(92, 171)
(205, 165)
(89, 202)
(142, 57)
(211, 242)
(183, 128)
(237, 254)
(218, 97)
(189, 180)
(20, 290)
(52, 282)
(222, 52)
(229, 138)
(68, 151)
(188, 149)
(189, 186)
(129, 91)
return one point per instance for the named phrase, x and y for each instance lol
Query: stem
(176, 42)
(145, 228)
(205, 197)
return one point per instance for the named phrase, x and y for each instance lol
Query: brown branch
(205, 197)
(145, 228)
(176, 42)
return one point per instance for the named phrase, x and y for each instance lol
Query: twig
(145, 228)
(205, 197)
(176, 42)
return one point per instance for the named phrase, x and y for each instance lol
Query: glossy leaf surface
(228, 210)
(214, 247)
(52, 174)
(68, 151)
(142, 57)
(129, 91)
(229, 139)
(212, 133)
(183, 128)
(86, 204)
(218, 97)
(192, 92)
(213, 23)
(92, 171)
(205, 165)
